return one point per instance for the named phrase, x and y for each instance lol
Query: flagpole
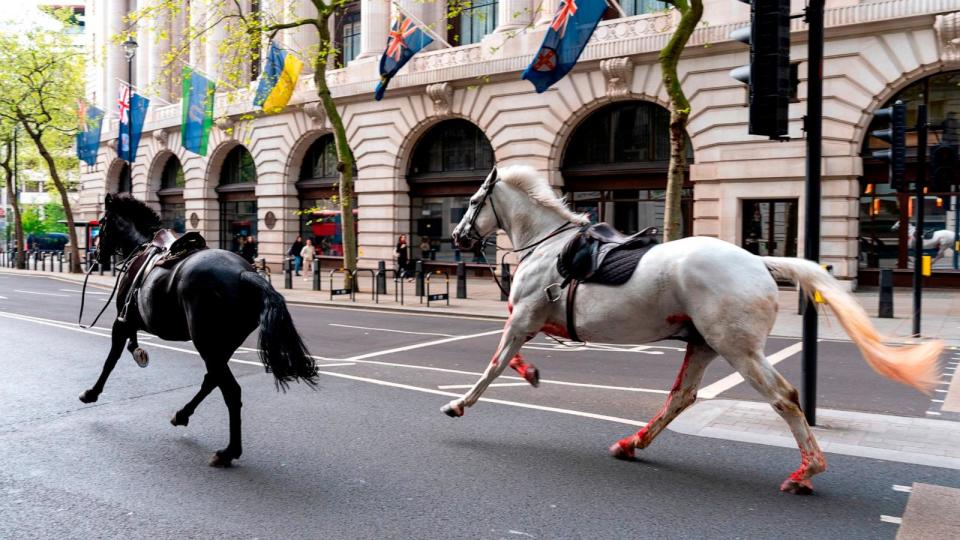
(423, 26)
(138, 89)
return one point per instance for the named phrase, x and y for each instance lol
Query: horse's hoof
(532, 376)
(141, 357)
(620, 452)
(178, 420)
(797, 487)
(452, 410)
(88, 396)
(221, 460)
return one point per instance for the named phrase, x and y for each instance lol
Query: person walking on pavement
(249, 250)
(306, 253)
(294, 252)
(403, 255)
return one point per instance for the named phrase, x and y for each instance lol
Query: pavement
(385, 463)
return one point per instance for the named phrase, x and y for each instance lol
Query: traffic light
(768, 75)
(943, 171)
(896, 135)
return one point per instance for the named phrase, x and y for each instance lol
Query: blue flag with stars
(405, 40)
(566, 38)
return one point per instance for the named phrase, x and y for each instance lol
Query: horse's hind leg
(682, 395)
(784, 399)
(119, 336)
(182, 417)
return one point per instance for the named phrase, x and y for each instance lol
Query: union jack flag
(395, 40)
(567, 9)
(123, 103)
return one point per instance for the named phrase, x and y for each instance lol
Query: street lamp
(129, 50)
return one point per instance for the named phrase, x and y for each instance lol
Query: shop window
(770, 227)
(238, 168)
(472, 20)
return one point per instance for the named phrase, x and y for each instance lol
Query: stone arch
(405, 151)
(892, 89)
(298, 151)
(114, 169)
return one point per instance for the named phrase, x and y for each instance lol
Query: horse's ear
(492, 178)
(108, 200)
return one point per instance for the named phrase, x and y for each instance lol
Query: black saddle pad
(619, 265)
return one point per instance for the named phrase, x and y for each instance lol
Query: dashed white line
(421, 345)
(891, 519)
(42, 293)
(903, 489)
(933, 413)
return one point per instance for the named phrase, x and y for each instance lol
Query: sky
(20, 14)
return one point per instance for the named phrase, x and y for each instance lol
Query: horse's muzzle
(464, 242)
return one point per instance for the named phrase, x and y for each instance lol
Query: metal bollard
(505, 281)
(420, 278)
(43, 262)
(886, 293)
(316, 275)
(381, 277)
(287, 273)
(113, 265)
(34, 259)
(61, 261)
(461, 279)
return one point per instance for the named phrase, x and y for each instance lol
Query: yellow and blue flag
(405, 40)
(278, 81)
(569, 32)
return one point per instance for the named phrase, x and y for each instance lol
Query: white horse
(718, 297)
(942, 240)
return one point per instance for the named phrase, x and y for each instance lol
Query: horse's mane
(528, 180)
(143, 218)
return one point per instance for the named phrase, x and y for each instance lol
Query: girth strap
(571, 314)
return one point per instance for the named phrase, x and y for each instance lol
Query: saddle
(165, 250)
(598, 253)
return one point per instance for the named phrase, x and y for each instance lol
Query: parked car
(47, 241)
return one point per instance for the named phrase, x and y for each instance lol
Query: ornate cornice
(442, 96)
(619, 75)
(948, 32)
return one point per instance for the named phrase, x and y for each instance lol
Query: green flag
(198, 93)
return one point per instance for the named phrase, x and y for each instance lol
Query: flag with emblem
(198, 94)
(88, 137)
(567, 36)
(405, 40)
(132, 109)
(278, 81)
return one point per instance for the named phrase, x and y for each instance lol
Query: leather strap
(571, 323)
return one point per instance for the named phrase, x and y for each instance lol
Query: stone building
(599, 135)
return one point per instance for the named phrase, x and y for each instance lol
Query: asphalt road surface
(369, 455)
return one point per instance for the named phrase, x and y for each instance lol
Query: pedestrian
(249, 250)
(403, 255)
(306, 253)
(294, 252)
(424, 248)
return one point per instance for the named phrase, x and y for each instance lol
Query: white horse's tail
(914, 365)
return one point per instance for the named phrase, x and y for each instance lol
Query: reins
(123, 270)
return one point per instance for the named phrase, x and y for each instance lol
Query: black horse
(212, 297)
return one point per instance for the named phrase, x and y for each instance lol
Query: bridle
(123, 270)
(488, 186)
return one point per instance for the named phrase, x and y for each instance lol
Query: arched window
(615, 166)
(238, 167)
(318, 190)
(448, 165)
(238, 203)
(880, 205)
(172, 207)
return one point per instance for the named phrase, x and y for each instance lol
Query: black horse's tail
(281, 349)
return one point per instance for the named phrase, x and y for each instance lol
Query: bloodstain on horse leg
(555, 329)
(624, 448)
(678, 318)
(529, 372)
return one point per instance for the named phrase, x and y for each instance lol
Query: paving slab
(933, 513)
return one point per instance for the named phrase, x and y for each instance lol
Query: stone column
(374, 26)
(303, 40)
(548, 8)
(514, 14)
(215, 36)
(159, 48)
(433, 14)
(116, 62)
(145, 46)
(198, 17)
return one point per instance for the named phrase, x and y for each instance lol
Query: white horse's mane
(528, 180)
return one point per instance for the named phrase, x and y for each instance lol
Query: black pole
(811, 248)
(919, 184)
(130, 151)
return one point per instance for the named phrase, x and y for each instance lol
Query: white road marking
(728, 382)
(42, 293)
(891, 519)
(421, 345)
(902, 489)
(3, 298)
(88, 292)
(933, 413)
(452, 386)
(390, 330)
(489, 400)
(937, 400)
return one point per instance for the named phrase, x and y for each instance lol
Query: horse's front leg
(120, 334)
(516, 332)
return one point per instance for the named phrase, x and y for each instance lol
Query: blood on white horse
(720, 298)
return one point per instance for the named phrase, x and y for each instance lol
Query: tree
(690, 13)
(41, 76)
(7, 136)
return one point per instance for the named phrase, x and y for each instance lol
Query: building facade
(599, 135)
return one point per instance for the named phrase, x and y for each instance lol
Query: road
(369, 455)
